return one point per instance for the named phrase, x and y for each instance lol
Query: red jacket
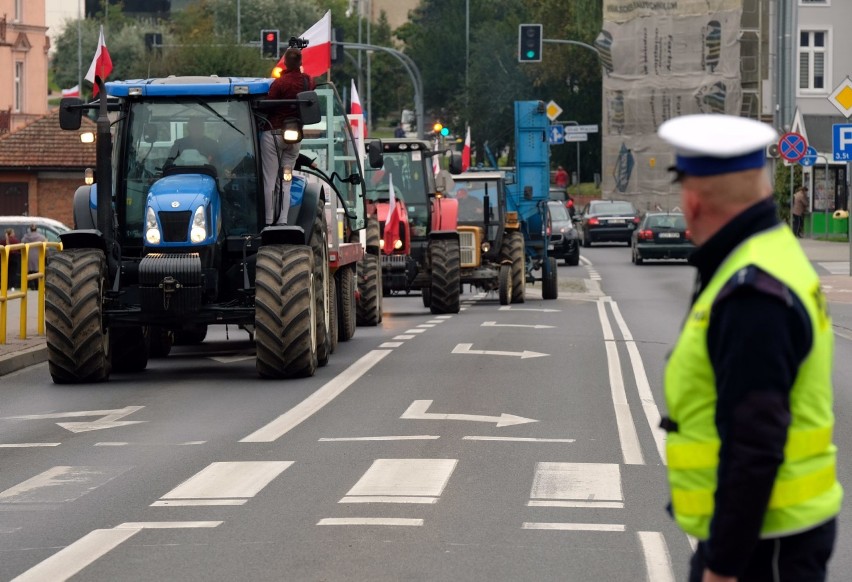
(288, 86)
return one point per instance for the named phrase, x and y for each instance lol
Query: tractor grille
(175, 225)
(467, 248)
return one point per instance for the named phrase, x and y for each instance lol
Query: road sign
(576, 137)
(581, 129)
(842, 142)
(556, 135)
(792, 147)
(553, 111)
(842, 97)
(809, 158)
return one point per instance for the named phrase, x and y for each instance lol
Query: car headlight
(152, 232)
(486, 246)
(199, 226)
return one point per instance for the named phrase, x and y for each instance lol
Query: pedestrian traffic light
(529, 43)
(269, 44)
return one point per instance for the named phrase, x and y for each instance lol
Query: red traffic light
(270, 36)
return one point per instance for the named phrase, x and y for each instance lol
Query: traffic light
(437, 127)
(529, 43)
(269, 44)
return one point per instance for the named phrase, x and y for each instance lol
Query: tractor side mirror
(375, 154)
(150, 133)
(70, 113)
(309, 109)
(455, 163)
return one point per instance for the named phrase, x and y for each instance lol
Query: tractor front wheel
(446, 276)
(504, 282)
(346, 305)
(513, 250)
(550, 280)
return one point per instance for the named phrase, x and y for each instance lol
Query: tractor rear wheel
(346, 317)
(77, 343)
(333, 327)
(513, 250)
(319, 247)
(129, 346)
(504, 282)
(550, 280)
(446, 276)
(285, 312)
(427, 296)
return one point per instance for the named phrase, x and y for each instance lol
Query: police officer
(748, 385)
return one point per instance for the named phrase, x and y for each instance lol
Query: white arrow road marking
(495, 324)
(418, 408)
(68, 561)
(465, 349)
(60, 484)
(509, 308)
(109, 420)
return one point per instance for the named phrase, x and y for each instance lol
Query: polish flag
(316, 57)
(72, 92)
(391, 234)
(466, 151)
(436, 165)
(355, 109)
(101, 65)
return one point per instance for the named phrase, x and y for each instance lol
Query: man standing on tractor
(275, 154)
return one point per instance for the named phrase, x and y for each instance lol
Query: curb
(23, 358)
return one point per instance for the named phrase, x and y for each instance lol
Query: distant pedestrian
(751, 463)
(399, 131)
(800, 208)
(14, 265)
(33, 236)
(561, 177)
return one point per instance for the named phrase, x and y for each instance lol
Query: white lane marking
(313, 403)
(649, 405)
(227, 480)
(836, 267)
(443, 317)
(198, 502)
(403, 337)
(435, 321)
(110, 418)
(575, 526)
(585, 261)
(415, 331)
(28, 445)
(629, 440)
(370, 521)
(413, 437)
(418, 411)
(510, 308)
(426, 325)
(658, 562)
(577, 482)
(495, 324)
(68, 561)
(844, 335)
(124, 444)
(390, 345)
(587, 504)
(386, 499)
(517, 439)
(462, 308)
(404, 478)
(524, 355)
(232, 359)
(111, 444)
(60, 484)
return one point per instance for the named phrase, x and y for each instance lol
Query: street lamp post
(578, 156)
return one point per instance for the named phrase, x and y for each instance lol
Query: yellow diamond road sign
(553, 111)
(842, 97)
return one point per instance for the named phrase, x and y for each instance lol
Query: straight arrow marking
(508, 308)
(465, 349)
(495, 324)
(418, 411)
(110, 418)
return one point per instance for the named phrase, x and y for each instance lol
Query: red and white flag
(72, 92)
(316, 57)
(356, 109)
(466, 151)
(391, 233)
(436, 165)
(101, 65)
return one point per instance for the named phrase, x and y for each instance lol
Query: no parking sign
(792, 147)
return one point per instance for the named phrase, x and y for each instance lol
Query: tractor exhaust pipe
(104, 169)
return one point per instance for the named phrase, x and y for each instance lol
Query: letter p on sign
(842, 142)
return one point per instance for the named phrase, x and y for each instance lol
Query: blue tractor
(172, 237)
(527, 196)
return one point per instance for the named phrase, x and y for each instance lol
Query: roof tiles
(41, 144)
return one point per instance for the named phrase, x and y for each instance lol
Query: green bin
(839, 225)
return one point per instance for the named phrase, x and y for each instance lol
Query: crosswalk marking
(403, 480)
(370, 521)
(27, 445)
(60, 484)
(557, 483)
(658, 562)
(575, 526)
(224, 482)
(836, 267)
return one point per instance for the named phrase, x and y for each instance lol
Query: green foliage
(781, 191)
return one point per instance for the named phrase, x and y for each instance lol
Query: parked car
(661, 235)
(566, 241)
(608, 220)
(50, 228)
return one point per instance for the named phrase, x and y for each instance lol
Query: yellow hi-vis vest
(806, 492)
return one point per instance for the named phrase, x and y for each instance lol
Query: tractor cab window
(406, 169)
(472, 200)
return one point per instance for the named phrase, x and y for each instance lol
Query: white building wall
(833, 17)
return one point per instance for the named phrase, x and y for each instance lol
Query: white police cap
(707, 145)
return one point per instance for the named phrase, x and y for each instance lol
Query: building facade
(23, 62)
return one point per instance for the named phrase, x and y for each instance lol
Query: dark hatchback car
(566, 241)
(661, 235)
(608, 221)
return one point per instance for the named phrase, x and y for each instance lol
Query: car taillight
(688, 234)
(593, 221)
(646, 234)
(569, 204)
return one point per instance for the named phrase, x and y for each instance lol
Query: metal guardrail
(26, 277)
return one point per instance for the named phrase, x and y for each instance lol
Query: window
(814, 2)
(19, 10)
(813, 60)
(19, 86)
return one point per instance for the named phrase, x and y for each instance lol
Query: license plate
(669, 235)
(616, 221)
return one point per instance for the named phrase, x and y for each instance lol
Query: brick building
(41, 166)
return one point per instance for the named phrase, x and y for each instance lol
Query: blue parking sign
(842, 142)
(556, 134)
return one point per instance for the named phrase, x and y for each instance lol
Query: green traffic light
(445, 131)
(530, 54)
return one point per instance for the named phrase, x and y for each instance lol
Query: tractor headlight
(152, 232)
(199, 226)
(397, 244)
(381, 243)
(486, 246)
